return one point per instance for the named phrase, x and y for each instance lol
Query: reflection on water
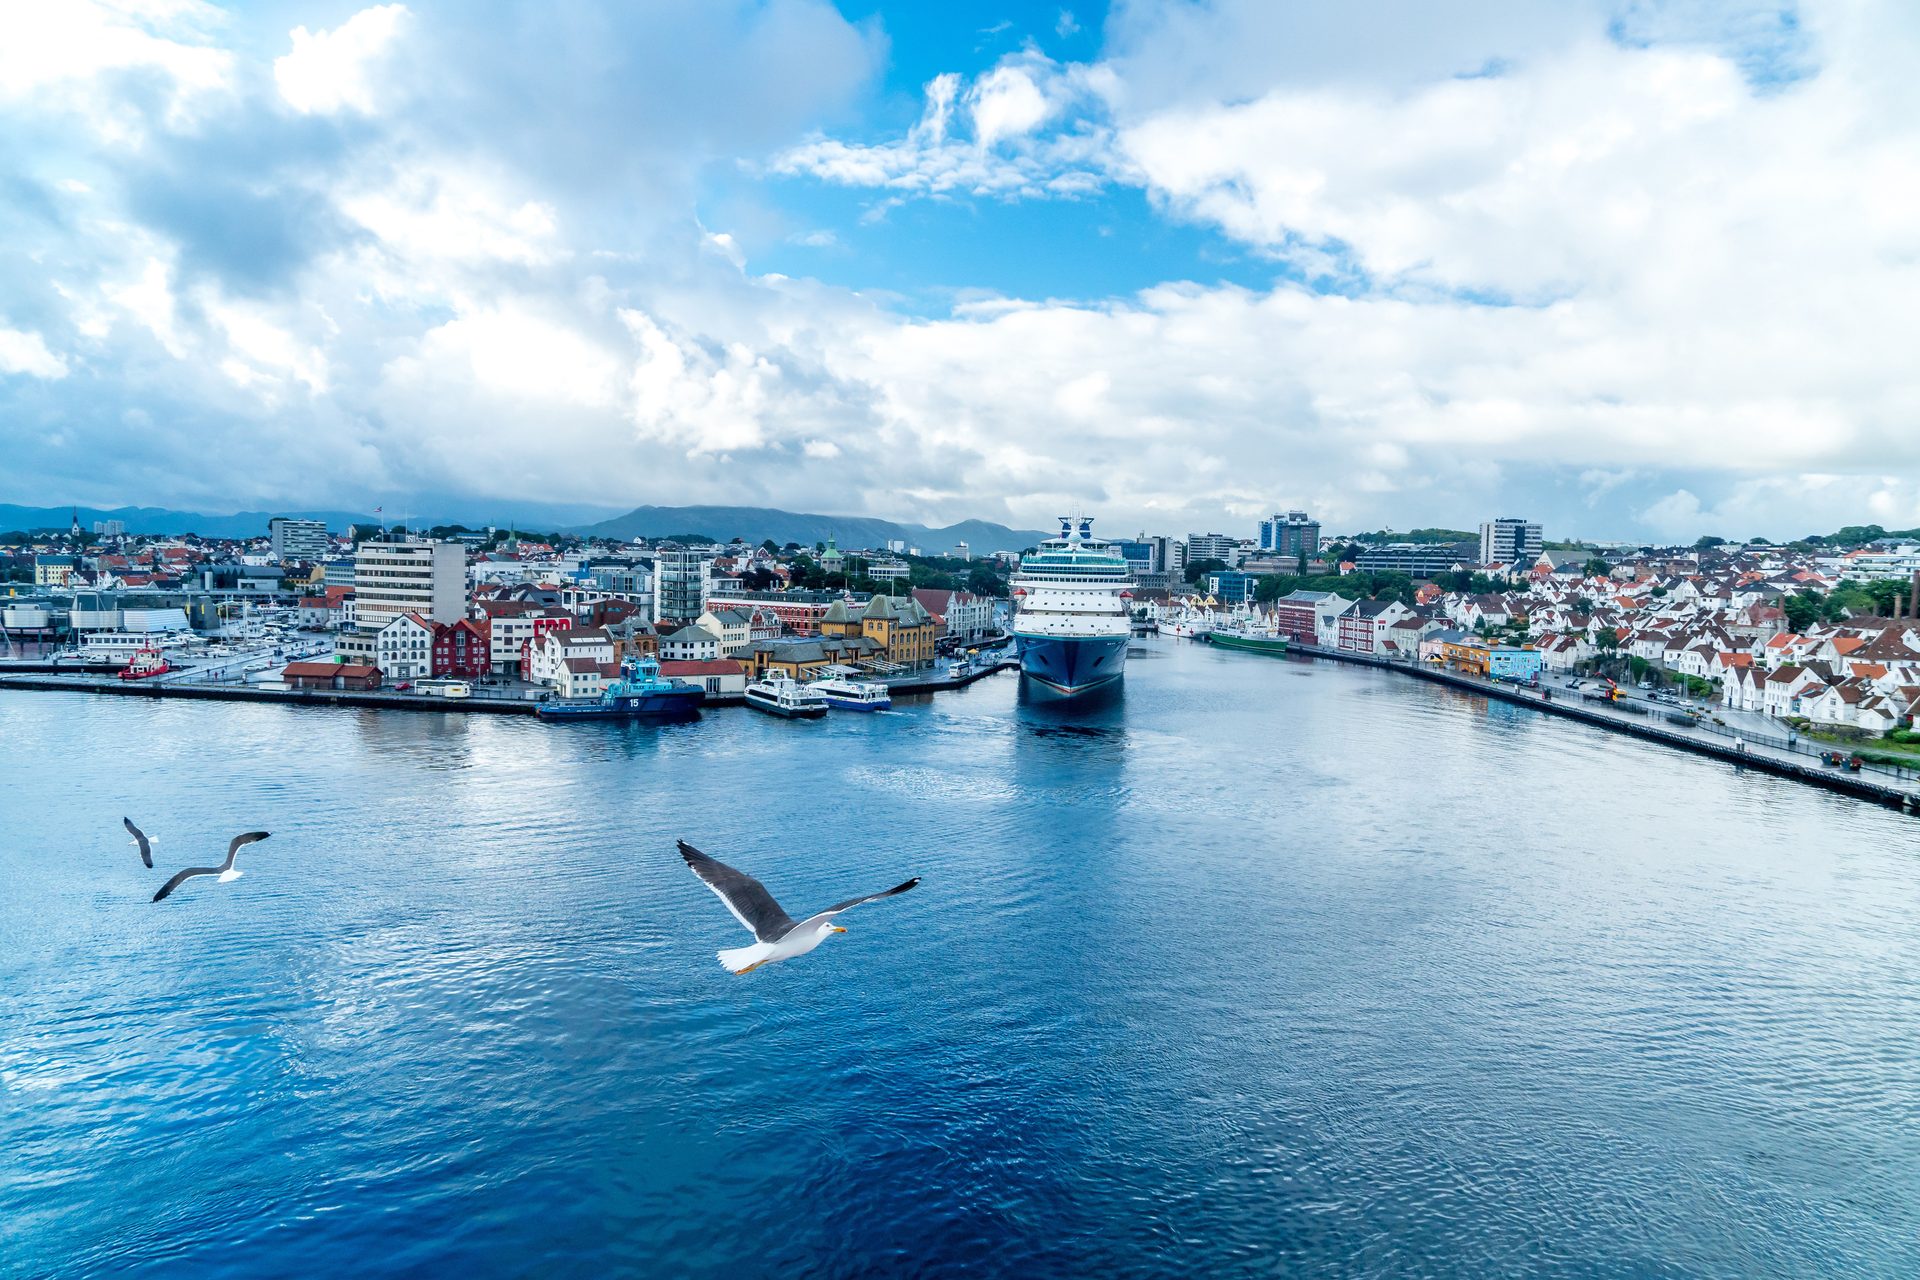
(1246, 967)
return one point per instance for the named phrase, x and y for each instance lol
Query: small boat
(144, 663)
(852, 695)
(781, 695)
(641, 693)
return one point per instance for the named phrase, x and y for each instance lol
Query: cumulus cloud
(339, 70)
(26, 352)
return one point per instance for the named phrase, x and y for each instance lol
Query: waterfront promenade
(1899, 788)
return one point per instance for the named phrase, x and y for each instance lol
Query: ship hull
(1070, 666)
(1274, 645)
(677, 704)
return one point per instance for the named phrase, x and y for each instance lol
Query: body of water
(1258, 967)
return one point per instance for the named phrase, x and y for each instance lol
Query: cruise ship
(1071, 601)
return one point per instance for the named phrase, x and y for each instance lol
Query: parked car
(403, 686)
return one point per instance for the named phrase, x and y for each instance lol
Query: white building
(1510, 540)
(403, 649)
(690, 644)
(554, 650)
(299, 539)
(682, 580)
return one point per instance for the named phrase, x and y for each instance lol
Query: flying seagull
(225, 870)
(140, 839)
(776, 936)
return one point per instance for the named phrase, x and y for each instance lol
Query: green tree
(769, 546)
(983, 581)
(1201, 568)
(1596, 568)
(1707, 540)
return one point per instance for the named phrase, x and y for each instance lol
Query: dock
(1880, 786)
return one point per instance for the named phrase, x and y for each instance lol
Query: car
(403, 686)
(1646, 684)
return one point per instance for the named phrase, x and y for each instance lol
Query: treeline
(1850, 599)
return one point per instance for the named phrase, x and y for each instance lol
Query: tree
(1201, 568)
(1608, 641)
(1707, 540)
(1802, 609)
(1596, 568)
(769, 546)
(983, 581)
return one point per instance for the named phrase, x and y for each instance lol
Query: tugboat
(148, 661)
(781, 695)
(641, 693)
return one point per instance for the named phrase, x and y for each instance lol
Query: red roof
(327, 670)
(706, 667)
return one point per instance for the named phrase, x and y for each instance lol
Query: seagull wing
(746, 897)
(180, 876)
(233, 848)
(139, 838)
(872, 897)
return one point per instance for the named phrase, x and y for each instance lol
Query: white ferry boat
(842, 691)
(1072, 599)
(781, 695)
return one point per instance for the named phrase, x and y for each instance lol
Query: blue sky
(1638, 268)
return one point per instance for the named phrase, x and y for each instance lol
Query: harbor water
(1252, 966)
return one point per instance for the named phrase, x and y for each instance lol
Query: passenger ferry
(1072, 599)
(641, 693)
(848, 694)
(781, 695)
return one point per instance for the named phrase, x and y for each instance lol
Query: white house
(549, 653)
(690, 644)
(403, 649)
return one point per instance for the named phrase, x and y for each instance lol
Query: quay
(1891, 790)
(386, 700)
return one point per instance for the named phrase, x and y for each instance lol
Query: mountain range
(754, 524)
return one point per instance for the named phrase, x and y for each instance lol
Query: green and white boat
(1250, 639)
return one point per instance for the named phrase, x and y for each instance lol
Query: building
(690, 644)
(964, 615)
(110, 528)
(1510, 540)
(331, 675)
(514, 625)
(463, 648)
(404, 648)
(299, 539)
(902, 630)
(733, 628)
(889, 570)
(962, 551)
(1146, 555)
(719, 678)
(798, 611)
(392, 578)
(682, 578)
(547, 658)
(1290, 536)
(1230, 586)
(1304, 615)
(54, 571)
(1499, 661)
(1415, 559)
(1213, 546)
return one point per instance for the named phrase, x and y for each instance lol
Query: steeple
(76, 522)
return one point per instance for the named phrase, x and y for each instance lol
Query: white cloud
(23, 351)
(1006, 103)
(53, 55)
(339, 70)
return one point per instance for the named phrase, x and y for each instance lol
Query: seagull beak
(838, 929)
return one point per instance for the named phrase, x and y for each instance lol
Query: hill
(756, 524)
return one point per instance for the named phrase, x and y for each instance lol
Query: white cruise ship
(1071, 601)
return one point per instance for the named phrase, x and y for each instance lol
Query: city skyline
(1635, 270)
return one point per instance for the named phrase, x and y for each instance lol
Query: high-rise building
(1290, 536)
(110, 528)
(1145, 554)
(962, 551)
(409, 576)
(1509, 540)
(1213, 546)
(682, 578)
(299, 539)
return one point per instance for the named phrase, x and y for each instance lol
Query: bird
(225, 870)
(776, 935)
(140, 839)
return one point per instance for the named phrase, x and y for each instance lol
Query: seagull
(776, 936)
(225, 870)
(140, 839)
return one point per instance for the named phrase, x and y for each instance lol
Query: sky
(1634, 268)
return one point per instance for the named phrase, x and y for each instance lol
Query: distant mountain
(756, 524)
(253, 524)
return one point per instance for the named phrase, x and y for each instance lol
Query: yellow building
(899, 626)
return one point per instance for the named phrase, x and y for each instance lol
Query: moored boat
(1073, 599)
(148, 661)
(640, 693)
(781, 695)
(1250, 640)
(842, 691)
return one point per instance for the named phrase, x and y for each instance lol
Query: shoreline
(1766, 759)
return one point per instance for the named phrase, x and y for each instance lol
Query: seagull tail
(741, 959)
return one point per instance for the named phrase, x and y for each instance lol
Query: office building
(1509, 540)
(299, 539)
(1416, 559)
(391, 579)
(110, 528)
(1290, 536)
(1213, 546)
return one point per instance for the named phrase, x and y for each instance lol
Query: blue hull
(677, 704)
(1072, 666)
(846, 704)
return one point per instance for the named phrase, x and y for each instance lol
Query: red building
(463, 648)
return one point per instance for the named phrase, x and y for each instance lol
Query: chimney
(1913, 596)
